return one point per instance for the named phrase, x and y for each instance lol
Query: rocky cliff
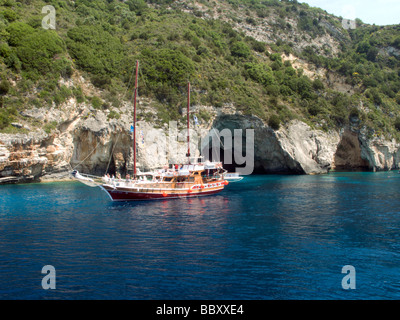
(86, 140)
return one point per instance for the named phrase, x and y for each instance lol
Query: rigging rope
(129, 83)
(112, 152)
(143, 78)
(87, 156)
(218, 136)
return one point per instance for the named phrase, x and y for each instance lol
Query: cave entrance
(348, 154)
(118, 166)
(111, 169)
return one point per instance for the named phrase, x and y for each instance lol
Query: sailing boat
(193, 179)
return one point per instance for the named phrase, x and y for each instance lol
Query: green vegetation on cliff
(180, 41)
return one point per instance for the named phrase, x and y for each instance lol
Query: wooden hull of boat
(125, 194)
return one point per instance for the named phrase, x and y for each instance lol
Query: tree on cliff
(4, 88)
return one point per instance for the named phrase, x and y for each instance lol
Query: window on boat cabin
(167, 179)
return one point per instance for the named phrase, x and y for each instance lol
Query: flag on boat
(196, 121)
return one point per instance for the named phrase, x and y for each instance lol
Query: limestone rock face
(26, 158)
(87, 140)
(380, 154)
(296, 148)
(312, 150)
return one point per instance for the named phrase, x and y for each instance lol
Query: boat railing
(88, 179)
(89, 176)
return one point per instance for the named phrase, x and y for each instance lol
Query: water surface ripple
(267, 237)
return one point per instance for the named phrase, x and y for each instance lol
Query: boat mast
(188, 137)
(134, 119)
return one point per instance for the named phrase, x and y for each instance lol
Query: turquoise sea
(267, 237)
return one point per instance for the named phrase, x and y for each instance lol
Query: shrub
(274, 122)
(304, 87)
(204, 115)
(370, 82)
(137, 6)
(276, 57)
(4, 118)
(354, 113)
(240, 49)
(276, 65)
(251, 21)
(101, 81)
(96, 102)
(258, 46)
(167, 68)
(113, 115)
(374, 95)
(9, 15)
(314, 110)
(259, 72)
(372, 53)
(50, 126)
(318, 85)
(396, 42)
(398, 99)
(397, 123)
(4, 87)
(38, 50)
(17, 32)
(273, 90)
(78, 93)
(5, 50)
(63, 67)
(96, 50)
(61, 95)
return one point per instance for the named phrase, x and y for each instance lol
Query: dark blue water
(267, 237)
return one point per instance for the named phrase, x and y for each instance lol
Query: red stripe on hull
(118, 195)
